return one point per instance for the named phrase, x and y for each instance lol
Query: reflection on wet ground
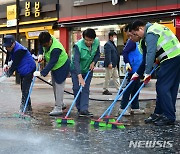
(41, 134)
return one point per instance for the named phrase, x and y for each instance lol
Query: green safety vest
(140, 46)
(86, 55)
(63, 56)
(168, 45)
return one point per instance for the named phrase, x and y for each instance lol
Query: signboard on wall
(86, 2)
(11, 16)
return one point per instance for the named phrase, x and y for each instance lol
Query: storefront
(106, 15)
(35, 16)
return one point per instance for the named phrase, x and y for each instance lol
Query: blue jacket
(111, 54)
(27, 63)
(135, 58)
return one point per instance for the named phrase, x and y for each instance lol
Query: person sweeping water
(85, 55)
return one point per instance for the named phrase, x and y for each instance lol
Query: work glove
(10, 63)
(37, 73)
(135, 76)
(5, 68)
(147, 78)
(40, 58)
(128, 67)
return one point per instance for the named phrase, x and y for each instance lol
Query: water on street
(41, 134)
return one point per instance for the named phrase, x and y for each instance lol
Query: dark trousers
(168, 78)
(130, 92)
(25, 85)
(82, 103)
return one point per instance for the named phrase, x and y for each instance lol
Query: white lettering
(169, 144)
(160, 144)
(114, 2)
(141, 144)
(133, 143)
(150, 144)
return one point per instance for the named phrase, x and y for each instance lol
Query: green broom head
(99, 128)
(22, 116)
(108, 119)
(65, 121)
(115, 125)
(98, 123)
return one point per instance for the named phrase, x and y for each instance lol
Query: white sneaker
(137, 111)
(56, 111)
(127, 113)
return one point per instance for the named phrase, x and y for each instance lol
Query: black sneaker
(85, 113)
(64, 107)
(153, 117)
(106, 92)
(164, 121)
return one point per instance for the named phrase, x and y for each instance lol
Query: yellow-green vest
(63, 56)
(86, 55)
(168, 45)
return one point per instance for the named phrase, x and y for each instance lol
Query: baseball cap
(8, 40)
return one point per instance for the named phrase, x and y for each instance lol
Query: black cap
(8, 40)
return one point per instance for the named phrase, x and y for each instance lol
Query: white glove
(147, 78)
(135, 76)
(40, 58)
(5, 68)
(37, 73)
(128, 67)
(10, 63)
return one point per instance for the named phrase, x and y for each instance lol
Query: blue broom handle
(30, 90)
(120, 116)
(77, 95)
(116, 100)
(118, 93)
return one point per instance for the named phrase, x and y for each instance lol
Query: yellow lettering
(37, 9)
(27, 9)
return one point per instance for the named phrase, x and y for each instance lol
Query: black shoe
(85, 113)
(21, 108)
(106, 92)
(29, 108)
(164, 121)
(153, 117)
(64, 107)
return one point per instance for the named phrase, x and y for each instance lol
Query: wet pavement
(41, 134)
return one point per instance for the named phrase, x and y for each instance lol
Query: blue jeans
(130, 92)
(82, 102)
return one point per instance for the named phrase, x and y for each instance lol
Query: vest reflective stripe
(169, 38)
(168, 45)
(168, 52)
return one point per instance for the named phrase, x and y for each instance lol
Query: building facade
(107, 15)
(32, 17)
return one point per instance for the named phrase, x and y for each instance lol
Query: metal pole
(17, 36)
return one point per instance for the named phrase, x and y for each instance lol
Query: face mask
(115, 40)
